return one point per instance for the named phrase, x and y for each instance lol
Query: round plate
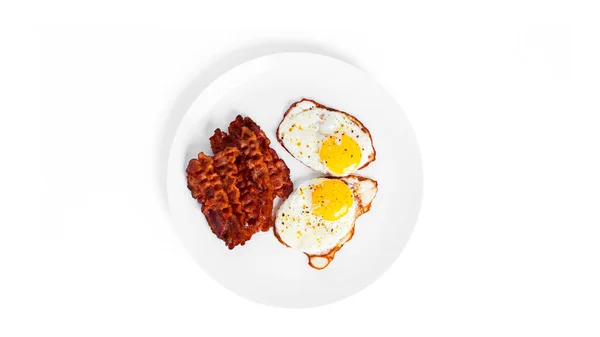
(263, 270)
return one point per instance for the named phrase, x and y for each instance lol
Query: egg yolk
(339, 157)
(331, 199)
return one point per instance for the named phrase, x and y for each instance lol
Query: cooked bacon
(237, 186)
(278, 170)
(224, 165)
(258, 172)
(220, 141)
(207, 187)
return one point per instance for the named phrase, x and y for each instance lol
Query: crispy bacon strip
(224, 166)
(278, 170)
(259, 173)
(207, 187)
(249, 191)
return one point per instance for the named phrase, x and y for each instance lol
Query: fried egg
(319, 216)
(325, 139)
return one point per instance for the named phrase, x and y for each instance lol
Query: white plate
(264, 270)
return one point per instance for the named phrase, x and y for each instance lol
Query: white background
(504, 99)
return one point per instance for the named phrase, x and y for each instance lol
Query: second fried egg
(319, 216)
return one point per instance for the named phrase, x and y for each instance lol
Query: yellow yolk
(331, 199)
(340, 157)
